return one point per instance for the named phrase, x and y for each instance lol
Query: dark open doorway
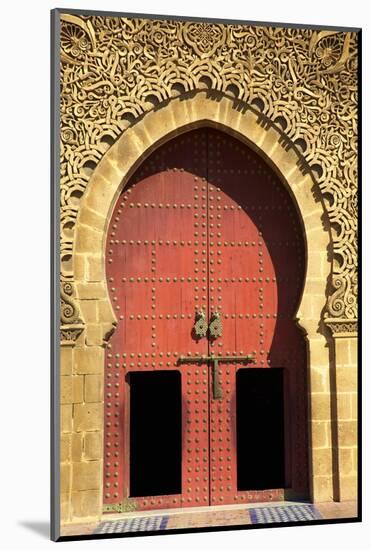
(155, 433)
(260, 429)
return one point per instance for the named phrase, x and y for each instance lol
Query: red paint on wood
(204, 222)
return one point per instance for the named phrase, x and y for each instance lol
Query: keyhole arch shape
(169, 200)
(135, 145)
(161, 125)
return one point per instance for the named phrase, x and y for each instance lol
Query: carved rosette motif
(113, 70)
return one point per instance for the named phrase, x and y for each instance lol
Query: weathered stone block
(319, 354)
(65, 447)
(107, 329)
(342, 351)
(312, 217)
(318, 236)
(88, 239)
(65, 482)
(347, 432)
(322, 462)
(319, 379)
(93, 445)
(320, 404)
(79, 267)
(66, 389)
(318, 303)
(93, 388)
(76, 447)
(355, 458)
(86, 504)
(105, 312)
(316, 268)
(344, 406)
(91, 291)
(89, 360)
(92, 219)
(102, 187)
(320, 434)
(118, 163)
(322, 489)
(77, 388)
(95, 268)
(346, 462)
(86, 475)
(143, 139)
(315, 286)
(94, 335)
(348, 488)
(354, 399)
(353, 350)
(89, 310)
(346, 379)
(71, 389)
(270, 143)
(309, 324)
(248, 124)
(66, 418)
(65, 501)
(88, 417)
(66, 360)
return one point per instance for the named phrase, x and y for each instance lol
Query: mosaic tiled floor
(168, 520)
(130, 525)
(283, 514)
(263, 514)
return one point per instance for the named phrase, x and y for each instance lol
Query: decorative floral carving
(70, 333)
(74, 41)
(205, 38)
(69, 312)
(339, 327)
(71, 324)
(115, 69)
(328, 51)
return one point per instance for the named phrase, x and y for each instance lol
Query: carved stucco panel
(114, 70)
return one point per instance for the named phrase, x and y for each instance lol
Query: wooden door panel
(240, 299)
(157, 281)
(205, 224)
(259, 268)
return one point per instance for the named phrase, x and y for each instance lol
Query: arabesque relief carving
(113, 70)
(71, 324)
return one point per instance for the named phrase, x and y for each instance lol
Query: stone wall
(81, 431)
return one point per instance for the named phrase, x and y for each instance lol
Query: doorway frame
(98, 321)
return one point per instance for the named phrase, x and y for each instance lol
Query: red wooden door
(203, 226)
(256, 272)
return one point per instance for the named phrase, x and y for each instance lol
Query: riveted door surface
(256, 270)
(204, 258)
(157, 276)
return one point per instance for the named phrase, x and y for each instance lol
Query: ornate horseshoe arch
(287, 93)
(157, 127)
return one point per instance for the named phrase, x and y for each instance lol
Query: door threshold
(199, 509)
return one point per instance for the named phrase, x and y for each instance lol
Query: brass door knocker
(215, 326)
(200, 326)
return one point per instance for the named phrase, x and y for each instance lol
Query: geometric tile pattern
(283, 514)
(130, 525)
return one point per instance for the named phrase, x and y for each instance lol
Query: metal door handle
(200, 326)
(215, 326)
(215, 360)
